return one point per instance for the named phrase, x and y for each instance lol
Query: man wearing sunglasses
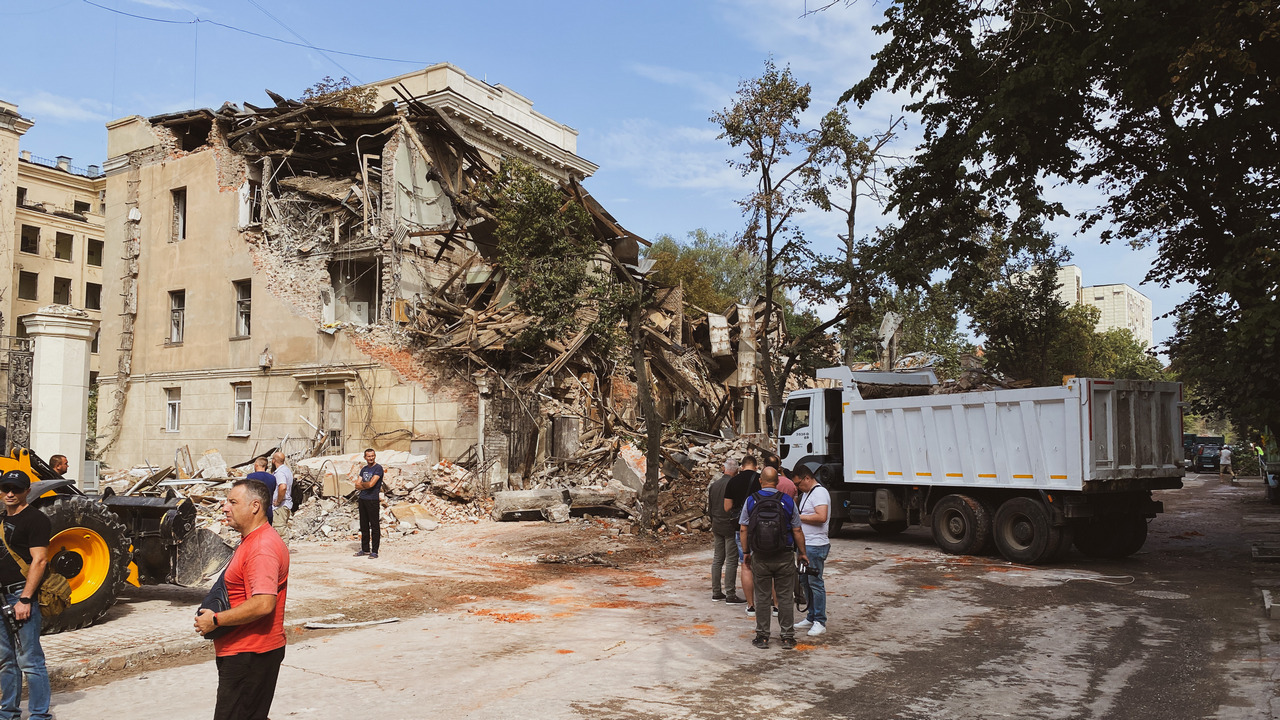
(26, 533)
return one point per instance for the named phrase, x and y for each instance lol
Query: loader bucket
(201, 553)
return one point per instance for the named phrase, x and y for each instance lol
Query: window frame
(178, 217)
(173, 409)
(58, 237)
(177, 316)
(89, 245)
(244, 308)
(35, 285)
(68, 284)
(22, 239)
(92, 300)
(242, 420)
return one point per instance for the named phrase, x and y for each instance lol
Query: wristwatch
(24, 600)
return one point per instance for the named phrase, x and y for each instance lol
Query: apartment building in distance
(1121, 305)
(272, 257)
(54, 241)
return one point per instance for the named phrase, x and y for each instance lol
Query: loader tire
(1024, 532)
(88, 547)
(961, 525)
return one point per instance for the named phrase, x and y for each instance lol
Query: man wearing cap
(26, 533)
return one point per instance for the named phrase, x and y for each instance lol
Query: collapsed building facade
(321, 279)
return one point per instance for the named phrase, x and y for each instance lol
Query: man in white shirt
(814, 506)
(282, 503)
(1224, 463)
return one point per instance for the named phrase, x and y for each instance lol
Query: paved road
(1177, 631)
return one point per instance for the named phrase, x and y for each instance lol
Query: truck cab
(810, 431)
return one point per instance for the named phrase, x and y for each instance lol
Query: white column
(60, 383)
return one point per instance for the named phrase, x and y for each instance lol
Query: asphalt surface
(1176, 631)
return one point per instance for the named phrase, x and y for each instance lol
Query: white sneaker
(817, 629)
(803, 624)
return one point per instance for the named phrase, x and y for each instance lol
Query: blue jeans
(817, 586)
(31, 662)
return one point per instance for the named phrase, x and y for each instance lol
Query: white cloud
(688, 158)
(712, 94)
(43, 106)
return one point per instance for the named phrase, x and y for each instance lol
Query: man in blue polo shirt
(769, 527)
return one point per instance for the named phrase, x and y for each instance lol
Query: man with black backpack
(769, 527)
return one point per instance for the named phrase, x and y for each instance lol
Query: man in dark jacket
(724, 530)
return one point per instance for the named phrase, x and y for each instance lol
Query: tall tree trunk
(652, 421)
(849, 245)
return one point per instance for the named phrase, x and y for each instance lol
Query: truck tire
(888, 527)
(961, 525)
(1024, 533)
(89, 547)
(1113, 537)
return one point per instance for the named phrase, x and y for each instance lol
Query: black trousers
(247, 685)
(370, 525)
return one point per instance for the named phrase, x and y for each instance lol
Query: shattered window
(177, 314)
(62, 246)
(30, 239)
(179, 215)
(81, 207)
(62, 291)
(28, 286)
(244, 299)
(244, 408)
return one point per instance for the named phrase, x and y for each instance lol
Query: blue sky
(638, 81)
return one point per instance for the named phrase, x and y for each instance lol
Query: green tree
(1167, 106)
(764, 120)
(930, 324)
(545, 248)
(715, 271)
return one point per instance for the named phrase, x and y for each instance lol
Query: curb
(61, 674)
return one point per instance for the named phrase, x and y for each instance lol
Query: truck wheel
(1113, 537)
(888, 527)
(90, 549)
(961, 525)
(1023, 532)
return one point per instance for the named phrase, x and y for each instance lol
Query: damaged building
(320, 277)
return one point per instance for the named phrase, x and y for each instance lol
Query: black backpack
(769, 524)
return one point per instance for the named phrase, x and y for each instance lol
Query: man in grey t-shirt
(282, 502)
(724, 529)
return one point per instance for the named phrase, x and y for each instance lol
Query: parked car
(1206, 459)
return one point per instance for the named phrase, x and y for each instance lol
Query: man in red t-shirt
(257, 577)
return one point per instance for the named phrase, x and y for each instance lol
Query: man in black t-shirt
(26, 532)
(736, 493)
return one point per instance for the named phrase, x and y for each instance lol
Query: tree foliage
(716, 272)
(930, 324)
(1168, 106)
(545, 248)
(764, 120)
(341, 93)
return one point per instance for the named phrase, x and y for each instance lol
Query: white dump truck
(1031, 471)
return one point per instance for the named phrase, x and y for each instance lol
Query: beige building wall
(1122, 307)
(1070, 285)
(59, 210)
(316, 360)
(295, 376)
(12, 127)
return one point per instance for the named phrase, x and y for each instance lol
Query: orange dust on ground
(505, 617)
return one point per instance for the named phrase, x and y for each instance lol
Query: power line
(294, 33)
(254, 34)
